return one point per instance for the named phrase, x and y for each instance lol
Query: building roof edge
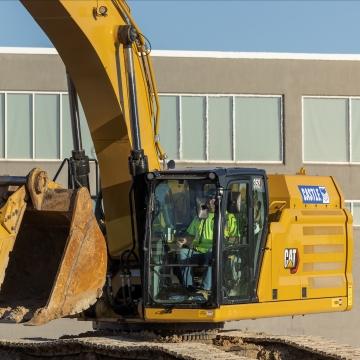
(28, 50)
(203, 54)
(253, 55)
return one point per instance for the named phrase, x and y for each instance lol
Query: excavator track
(110, 348)
(228, 345)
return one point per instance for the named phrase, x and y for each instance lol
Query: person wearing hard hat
(196, 246)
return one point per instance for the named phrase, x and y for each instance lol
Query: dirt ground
(53, 330)
(317, 325)
(341, 327)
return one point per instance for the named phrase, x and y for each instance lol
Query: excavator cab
(230, 244)
(204, 237)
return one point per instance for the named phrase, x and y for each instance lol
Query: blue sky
(316, 26)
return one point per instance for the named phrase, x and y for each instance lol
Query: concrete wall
(32, 72)
(290, 78)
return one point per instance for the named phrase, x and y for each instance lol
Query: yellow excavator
(178, 249)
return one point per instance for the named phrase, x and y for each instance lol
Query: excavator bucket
(53, 255)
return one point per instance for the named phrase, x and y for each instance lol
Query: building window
(169, 109)
(19, 129)
(258, 128)
(222, 128)
(2, 126)
(67, 140)
(193, 127)
(47, 126)
(37, 126)
(331, 127)
(354, 207)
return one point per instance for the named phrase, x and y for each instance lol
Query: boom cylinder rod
(79, 162)
(138, 163)
(74, 115)
(134, 115)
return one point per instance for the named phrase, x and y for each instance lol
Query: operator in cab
(196, 246)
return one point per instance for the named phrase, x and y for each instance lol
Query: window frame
(351, 209)
(232, 97)
(148, 299)
(349, 129)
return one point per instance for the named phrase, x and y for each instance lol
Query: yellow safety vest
(203, 231)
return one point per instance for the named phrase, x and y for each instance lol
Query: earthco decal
(314, 194)
(290, 259)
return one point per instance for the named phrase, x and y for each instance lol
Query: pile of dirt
(265, 351)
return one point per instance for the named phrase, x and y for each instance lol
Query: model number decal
(258, 184)
(314, 194)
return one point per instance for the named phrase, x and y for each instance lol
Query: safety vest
(203, 231)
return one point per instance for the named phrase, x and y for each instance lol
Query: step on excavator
(178, 249)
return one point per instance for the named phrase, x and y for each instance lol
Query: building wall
(290, 78)
(41, 72)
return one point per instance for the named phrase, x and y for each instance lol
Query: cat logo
(291, 259)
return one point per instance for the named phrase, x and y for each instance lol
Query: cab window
(181, 241)
(236, 246)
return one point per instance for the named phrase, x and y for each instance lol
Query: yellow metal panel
(324, 282)
(321, 212)
(323, 248)
(248, 311)
(285, 187)
(264, 287)
(11, 215)
(323, 266)
(350, 252)
(323, 230)
(319, 233)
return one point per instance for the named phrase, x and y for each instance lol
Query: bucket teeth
(14, 315)
(4, 313)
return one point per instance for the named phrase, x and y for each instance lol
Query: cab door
(243, 232)
(236, 245)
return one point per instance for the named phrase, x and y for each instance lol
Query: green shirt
(203, 231)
